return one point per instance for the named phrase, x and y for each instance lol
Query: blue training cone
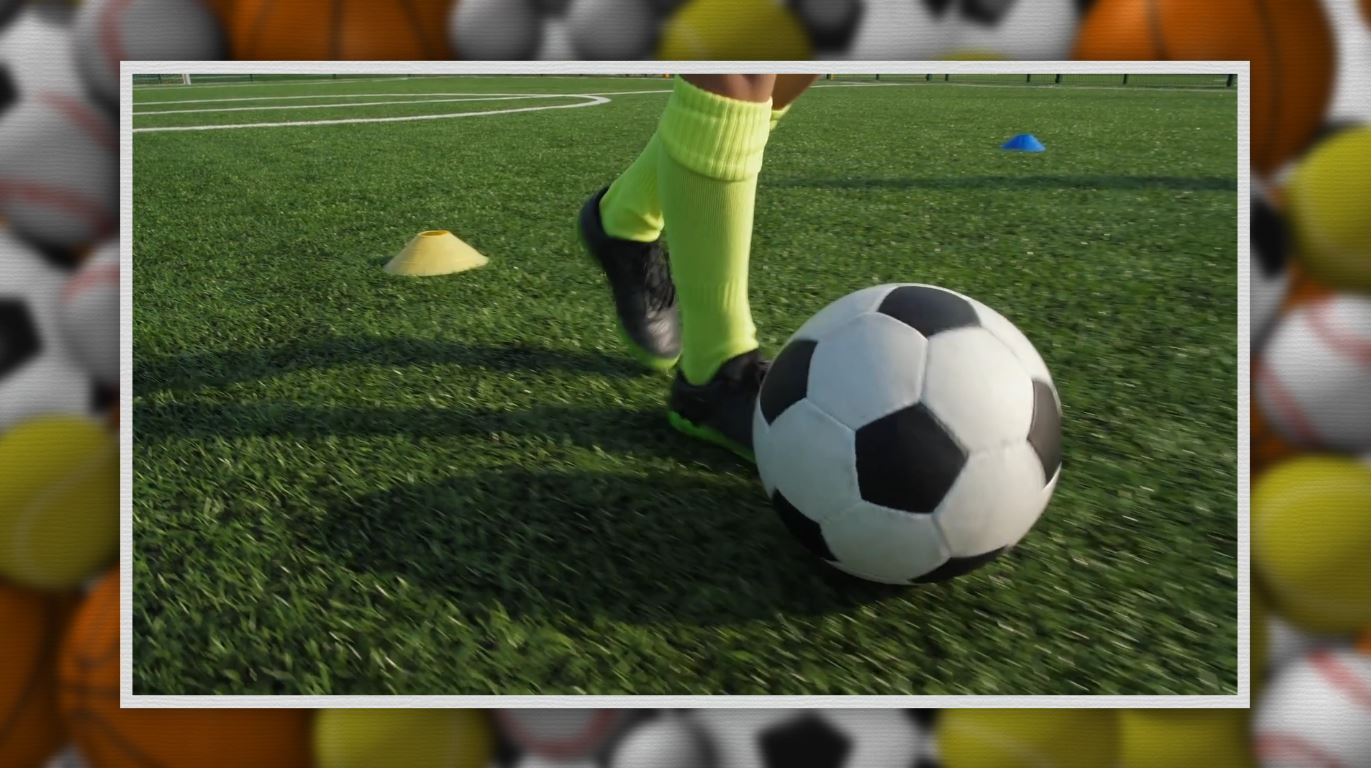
(1024, 142)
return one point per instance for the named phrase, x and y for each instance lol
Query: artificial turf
(348, 482)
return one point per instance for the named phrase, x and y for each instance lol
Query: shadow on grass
(646, 549)
(155, 373)
(621, 432)
(1033, 182)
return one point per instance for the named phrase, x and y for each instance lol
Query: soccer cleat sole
(710, 435)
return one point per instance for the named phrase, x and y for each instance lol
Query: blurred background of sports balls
(1311, 406)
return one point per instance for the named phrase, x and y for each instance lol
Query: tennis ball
(733, 29)
(1326, 198)
(1311, 537)
(402, 738)
(1166, 738)
(59, 501)
(1028, 738)
(30, 727)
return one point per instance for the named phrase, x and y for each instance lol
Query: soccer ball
(907, 433)
(37, 375)
(553, 30)
(1270, 253)
(1016, 29)
(815, 738)
(875, 29)
(936, 29)
(35, 54)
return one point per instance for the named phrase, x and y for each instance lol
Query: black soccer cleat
(640, 279)
(720, 411)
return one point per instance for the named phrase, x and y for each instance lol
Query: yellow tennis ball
(1028, 738)
(402, 738)
(1311, 542)
(59, 501)
(1168, 738)
(1326, 199)
(733, 29)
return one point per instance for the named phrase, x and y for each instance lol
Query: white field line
(159, 86)
(390, 96)
(331, 106)
(591, 101)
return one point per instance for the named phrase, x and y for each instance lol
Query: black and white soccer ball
(557, 30)
(1270, 256)
(38, 375)
(35, 52)
(907, 433)
(938, 29)
(814, 738)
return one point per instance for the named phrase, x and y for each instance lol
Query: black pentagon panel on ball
(810, 534)
(929, 310)
(958, 566)
(9, 92)
(831, 24)
(787, 381)
(1045, 433)
(924, 718)
(1270, 237)
(18, 337)
(907, 460)
(988, 12)
(808, 742)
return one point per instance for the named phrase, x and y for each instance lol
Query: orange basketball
(30, 728)
(110, 737)
(340, 29)
(1289, 42)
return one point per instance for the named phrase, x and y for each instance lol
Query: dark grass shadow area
(642, 549)
(618, 431)
(156, 373)
(1031, 182)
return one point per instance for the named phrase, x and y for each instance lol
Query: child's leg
(713, 135)
(632, 209)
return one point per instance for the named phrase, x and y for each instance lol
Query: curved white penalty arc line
(591, 101)
(340, 105)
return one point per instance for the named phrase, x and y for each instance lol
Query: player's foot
(644, 296)
(720, 411)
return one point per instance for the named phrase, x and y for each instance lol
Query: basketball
(1289, 42)
(30, 729)
(110, 737)
(340, 29)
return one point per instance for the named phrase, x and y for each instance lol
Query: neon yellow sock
(632, 209)
(711, 154)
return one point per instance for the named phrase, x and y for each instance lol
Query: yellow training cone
(436, 252)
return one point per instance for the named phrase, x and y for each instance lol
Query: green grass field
(348, 482)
